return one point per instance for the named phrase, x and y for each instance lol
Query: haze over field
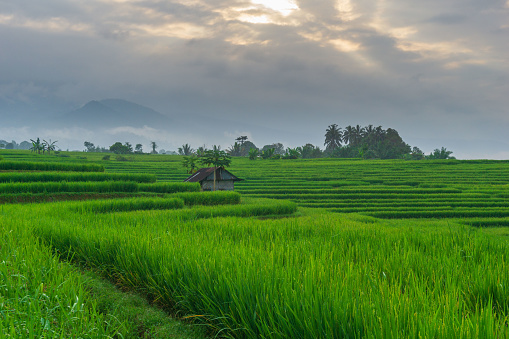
(208, 71)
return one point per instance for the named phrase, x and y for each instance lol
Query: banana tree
(37, 146)
(49, 145)
(189, 163)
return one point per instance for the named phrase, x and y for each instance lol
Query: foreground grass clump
(42, 297)
(316, 276)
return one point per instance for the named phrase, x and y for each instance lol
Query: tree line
(367, 142)
(25, 145)
(351, 142)
(35, 145)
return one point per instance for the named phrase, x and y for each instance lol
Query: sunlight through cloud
(285, 7)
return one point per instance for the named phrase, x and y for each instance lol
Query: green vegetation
(209, 198)
(322, 275)
(173, 187)
(389, 249)
(7, 177)
(41, 296)
(49, 166)
(133, 204)
(50, 187)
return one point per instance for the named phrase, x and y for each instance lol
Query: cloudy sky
(437, 71)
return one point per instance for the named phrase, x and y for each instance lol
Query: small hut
(205, 176)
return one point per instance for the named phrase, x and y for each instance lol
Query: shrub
(107, 157)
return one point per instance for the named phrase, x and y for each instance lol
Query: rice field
(320, 248)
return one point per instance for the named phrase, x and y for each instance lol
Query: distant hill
(113, 113)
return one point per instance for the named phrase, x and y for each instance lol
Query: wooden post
(215, 169)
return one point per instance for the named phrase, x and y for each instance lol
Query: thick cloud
(436, 71)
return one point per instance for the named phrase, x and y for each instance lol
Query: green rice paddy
(321, 248)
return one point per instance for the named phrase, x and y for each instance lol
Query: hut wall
(221, 185)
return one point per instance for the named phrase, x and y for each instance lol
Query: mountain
(113, 113)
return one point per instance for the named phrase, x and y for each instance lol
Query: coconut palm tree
(379, 133)
(185, 150)
(201, 150)
(358, 131)
(368, 134)
(333, 137)
(154, 146)
(348, 135)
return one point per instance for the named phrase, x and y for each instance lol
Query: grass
(41, 296)
(320, 275)
(49, 166)
(12, 177)
(257, 268)
(140, 318)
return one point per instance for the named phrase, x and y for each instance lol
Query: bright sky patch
(285, 7)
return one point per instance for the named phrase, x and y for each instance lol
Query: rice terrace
(303, 248)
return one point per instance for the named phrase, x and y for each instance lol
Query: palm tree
(185, 150)
(333, 137)
(216, 158)
(368, 133)
(201, 150)
(348, 135)
(154, 146)
(379, 133)
(49, 146)
(358, 132)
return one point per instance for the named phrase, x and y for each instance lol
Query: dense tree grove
(365, 142)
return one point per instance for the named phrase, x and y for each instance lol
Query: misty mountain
(113, 113)
(104, 122)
